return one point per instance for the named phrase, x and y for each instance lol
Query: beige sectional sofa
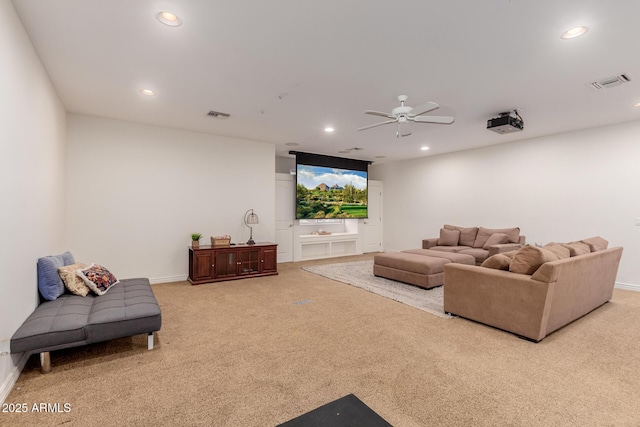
(480, 242)
(534, 291)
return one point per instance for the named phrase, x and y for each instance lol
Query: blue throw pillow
(49, 282)
(68, 259)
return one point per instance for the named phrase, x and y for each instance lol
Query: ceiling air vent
(611, 82)
(217, 114)
(348, 150)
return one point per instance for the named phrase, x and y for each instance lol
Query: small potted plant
(195, 240)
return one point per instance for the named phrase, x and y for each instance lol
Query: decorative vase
(195, 243)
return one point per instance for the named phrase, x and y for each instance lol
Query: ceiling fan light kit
(404, 114)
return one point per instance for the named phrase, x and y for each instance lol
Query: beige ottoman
(451, 256)
(420, 267)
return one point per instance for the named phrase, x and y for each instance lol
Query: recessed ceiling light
(328, 129)
(425, 148)
(169, 19)
(147, 92)
(574, 32)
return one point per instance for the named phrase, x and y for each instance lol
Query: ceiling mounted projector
(508, 122)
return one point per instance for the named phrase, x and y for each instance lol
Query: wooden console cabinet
(213, 264)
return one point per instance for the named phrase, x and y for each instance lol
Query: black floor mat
(348, 411)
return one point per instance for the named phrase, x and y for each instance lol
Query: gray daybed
(128, 308)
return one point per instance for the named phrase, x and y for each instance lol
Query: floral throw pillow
(97, 278)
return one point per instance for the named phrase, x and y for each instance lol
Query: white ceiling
(285, 69)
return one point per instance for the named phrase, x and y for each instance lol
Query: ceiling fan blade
(447, 120)
(378, 124)
(378, 113)
(424, 108)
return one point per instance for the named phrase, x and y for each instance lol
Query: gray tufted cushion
(54, 324)
(129, 308)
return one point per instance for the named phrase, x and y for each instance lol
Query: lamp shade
(252, 218)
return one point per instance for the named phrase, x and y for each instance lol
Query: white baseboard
(628, 286)
(168, 279)
(10, 381)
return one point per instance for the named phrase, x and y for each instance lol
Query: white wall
(32, 161)
(285, 164)
(137, 192)
(561, 187)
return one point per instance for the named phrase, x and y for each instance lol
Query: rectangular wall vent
(611, 82)
(217, 114)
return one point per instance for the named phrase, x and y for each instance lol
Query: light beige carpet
(360, 274)
(243, 353)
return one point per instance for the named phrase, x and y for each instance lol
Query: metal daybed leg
(150, 341)
(45, 362)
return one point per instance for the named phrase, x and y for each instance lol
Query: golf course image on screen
(325, 192)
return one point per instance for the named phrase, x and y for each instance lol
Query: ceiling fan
(402, 115)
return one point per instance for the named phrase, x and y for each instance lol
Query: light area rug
(360, 274)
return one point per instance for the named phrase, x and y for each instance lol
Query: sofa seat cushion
(453, 249)
(478, 253)
(451, 256)
(54, 324)
(130, 308)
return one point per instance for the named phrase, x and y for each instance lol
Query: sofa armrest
(509, 301)
(429, 243)
(504, 247)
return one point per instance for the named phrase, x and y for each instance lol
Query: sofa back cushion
(560, 250)
(72, 281)
(498, 262)
(577, 248)
(50, 284)
(510, 254)
(596, 243)
(496, 239)
(484, 234)
(528, 259)
(97, 278)
(467, 235)
(448, 237)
